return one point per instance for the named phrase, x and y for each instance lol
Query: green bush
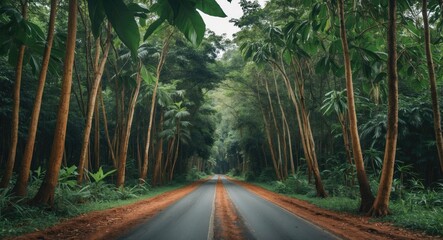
(267, 175)
(193, 174)
(250, 176)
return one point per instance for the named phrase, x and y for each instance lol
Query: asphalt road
(266, 220)
(192, 218)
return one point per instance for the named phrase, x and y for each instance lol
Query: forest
(334, 102)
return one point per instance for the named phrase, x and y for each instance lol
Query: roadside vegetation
(17, 217)
(413, 206)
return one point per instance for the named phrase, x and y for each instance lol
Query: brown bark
(433, 85)
(97, 135)
(105, 126)
(92, 103)
(277, 130)
(285, 127)
(45, 194)
(366, 195)
(127, 132)
(381, 203)
(161, 62)
(156, 178)
(171, 174)
(15, 110)
(306, 126)
(99, 68)
(269, 138)
(22, 181)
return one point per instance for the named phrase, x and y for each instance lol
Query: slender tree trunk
(381, 203)
(99, 68)
(105, 126)
(161, 62)
(45, 194)
(15, 110)
(169, 155)
(22, 181)
(158, 160)
(433, 85)
(156, 178)
(171, 174)
(301, 128)
(269, 137)
(277, 130)
(285, 126)
(367, 198)
(127, 132)
(97, 134)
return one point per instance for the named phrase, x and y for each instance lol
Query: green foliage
(193, 175)
(100, 175)
(66, 177)
(121, 19)
(266, 175)
(183, 14)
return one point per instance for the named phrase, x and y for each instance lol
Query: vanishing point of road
(192, 217)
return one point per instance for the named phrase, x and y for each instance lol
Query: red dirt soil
(111, 223)
(344, 225)
(228, 225)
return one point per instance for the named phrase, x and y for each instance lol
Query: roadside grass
(413, 211)
(17, 218)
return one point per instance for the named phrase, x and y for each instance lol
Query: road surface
(192, 218)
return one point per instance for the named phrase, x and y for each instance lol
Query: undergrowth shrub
(266, 175)
(193, 174)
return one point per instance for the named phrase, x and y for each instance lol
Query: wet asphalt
(191, 218)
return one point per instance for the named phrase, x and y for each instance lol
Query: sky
(222, 25)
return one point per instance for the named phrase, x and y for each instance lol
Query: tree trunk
(381, 203)
(97, 134)
(45, 194)
(127, 132)
(433, 85)
(285, 126)
(15, 110)
(156, 178)
(269, 137)
(161, 62)
(367, 198)
(105, 126)
(99, 68)
(277, 130)
(171, 174)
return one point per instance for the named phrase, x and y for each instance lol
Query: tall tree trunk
(305, 128)
(271, 146)
(156, 178)
(381, 203)
(97, 134)
(171, 174)
(99, 68)
(302, 130)
(285, 125)
(433, 85)
(105, 126)
(127, 132)
(161, 62)
(367, 198)
(22, 181)
(277, 130)
(45, 194)
(15, 110)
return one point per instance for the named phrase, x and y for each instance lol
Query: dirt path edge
(344, 225)
(111, 223)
